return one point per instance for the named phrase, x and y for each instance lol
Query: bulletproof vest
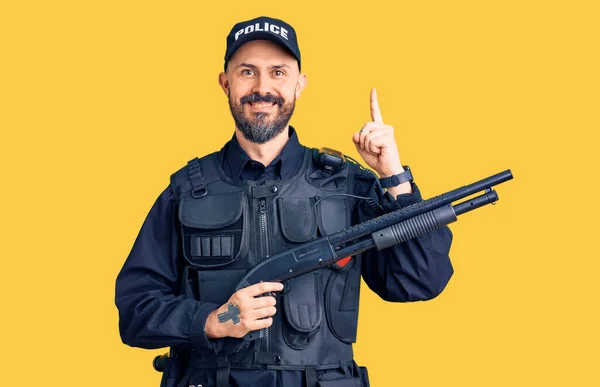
(228, 226)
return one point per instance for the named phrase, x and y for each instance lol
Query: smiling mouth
(261, 106)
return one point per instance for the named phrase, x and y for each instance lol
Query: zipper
(264, 237)
(264, 240)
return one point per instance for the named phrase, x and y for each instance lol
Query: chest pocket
(214, 229)
(302, 220)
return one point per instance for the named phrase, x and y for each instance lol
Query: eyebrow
(255, 67)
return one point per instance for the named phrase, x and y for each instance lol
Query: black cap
(262, 28)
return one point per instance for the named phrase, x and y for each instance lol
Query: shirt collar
(234, 158)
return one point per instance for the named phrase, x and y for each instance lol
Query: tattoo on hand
(233, 311)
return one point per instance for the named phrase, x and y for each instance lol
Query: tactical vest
(228, 226)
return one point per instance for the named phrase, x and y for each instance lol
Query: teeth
(261, 104)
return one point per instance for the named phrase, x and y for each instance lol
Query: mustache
(256, 97)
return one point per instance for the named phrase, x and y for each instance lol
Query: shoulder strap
(196, 179)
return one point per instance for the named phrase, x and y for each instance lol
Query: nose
(263, 84)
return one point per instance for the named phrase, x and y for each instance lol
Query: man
(262, 193)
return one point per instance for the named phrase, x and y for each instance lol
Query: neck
(263, 153)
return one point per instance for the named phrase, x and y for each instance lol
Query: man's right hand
(244, 312)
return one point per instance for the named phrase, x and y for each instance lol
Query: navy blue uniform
(153, 313)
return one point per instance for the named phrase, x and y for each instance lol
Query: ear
(224, 82)
(300, 84)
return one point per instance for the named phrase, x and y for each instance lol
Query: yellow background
(102, 100)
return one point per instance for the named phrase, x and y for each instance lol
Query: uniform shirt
(152, 313)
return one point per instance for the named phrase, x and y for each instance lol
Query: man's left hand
(376, 143)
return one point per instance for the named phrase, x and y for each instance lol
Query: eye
(278, 73)
(247, 72)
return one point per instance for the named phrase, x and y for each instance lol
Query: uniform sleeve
(415, 270)
(152, 313)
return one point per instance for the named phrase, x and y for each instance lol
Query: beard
(259, 128)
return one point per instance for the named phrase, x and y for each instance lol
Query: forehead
(262, 52)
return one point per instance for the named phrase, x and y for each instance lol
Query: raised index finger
(375, 112)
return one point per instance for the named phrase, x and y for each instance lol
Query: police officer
(264, 192)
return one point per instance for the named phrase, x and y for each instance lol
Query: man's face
(262, 83)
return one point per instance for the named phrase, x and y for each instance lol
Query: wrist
(211, 328)
(390, 172)
(402, 189)
(403, 178)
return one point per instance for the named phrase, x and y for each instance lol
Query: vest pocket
(347, 377)
(341, 303)
(333, 215)
(217, 286)
(302, 310)
(297, 219)
(213, 229)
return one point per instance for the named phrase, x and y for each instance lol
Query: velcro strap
(311, 377)
(223, 369)
(351, 289)
(269, 358)
(264, 191)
